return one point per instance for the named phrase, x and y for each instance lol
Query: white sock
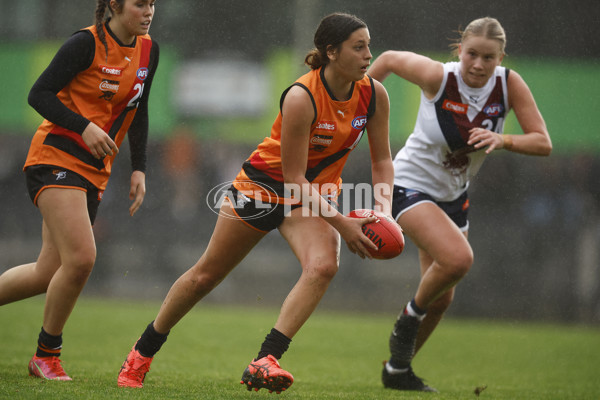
(413, 313)
(394, 371)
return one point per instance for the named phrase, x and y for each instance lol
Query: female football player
(296, 172)
(94, 91)
(460, 121)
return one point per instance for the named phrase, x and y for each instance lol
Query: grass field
(335, 356)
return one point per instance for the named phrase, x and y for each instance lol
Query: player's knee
(323, 270)
(203, 282)
(81, 263)
(459, 264)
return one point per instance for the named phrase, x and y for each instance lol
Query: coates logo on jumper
(493, 110)
(359, 122)
(256, 202)
(325, 126)
(110, 70)
(142, 73)
(455, 107)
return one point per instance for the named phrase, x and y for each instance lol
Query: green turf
(335, 356)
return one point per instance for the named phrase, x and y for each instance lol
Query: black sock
(151, 341)
(48, 345)
(404, 336)
(275, 344)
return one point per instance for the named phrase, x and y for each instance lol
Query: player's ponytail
(99, 21)
(314, 59)
(333, 30)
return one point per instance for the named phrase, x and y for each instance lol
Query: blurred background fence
(535, 222)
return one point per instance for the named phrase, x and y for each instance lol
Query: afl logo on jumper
(109, 89)
(493, 110)
(359, 122)
(142, 73)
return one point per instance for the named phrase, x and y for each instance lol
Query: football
(385, 233)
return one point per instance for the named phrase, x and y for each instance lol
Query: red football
(384, 232)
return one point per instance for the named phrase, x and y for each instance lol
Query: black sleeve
(138, 131)
(75, 55)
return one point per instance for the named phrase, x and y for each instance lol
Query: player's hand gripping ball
(385, 233)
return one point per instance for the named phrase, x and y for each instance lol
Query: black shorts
(405, 199)
(40, 177)
(263, 217)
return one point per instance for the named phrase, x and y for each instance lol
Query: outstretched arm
(420, 70)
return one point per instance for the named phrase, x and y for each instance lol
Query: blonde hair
(487, 27)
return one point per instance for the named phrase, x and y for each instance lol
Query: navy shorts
(263, 217)
(405, 199)
(40, 177)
